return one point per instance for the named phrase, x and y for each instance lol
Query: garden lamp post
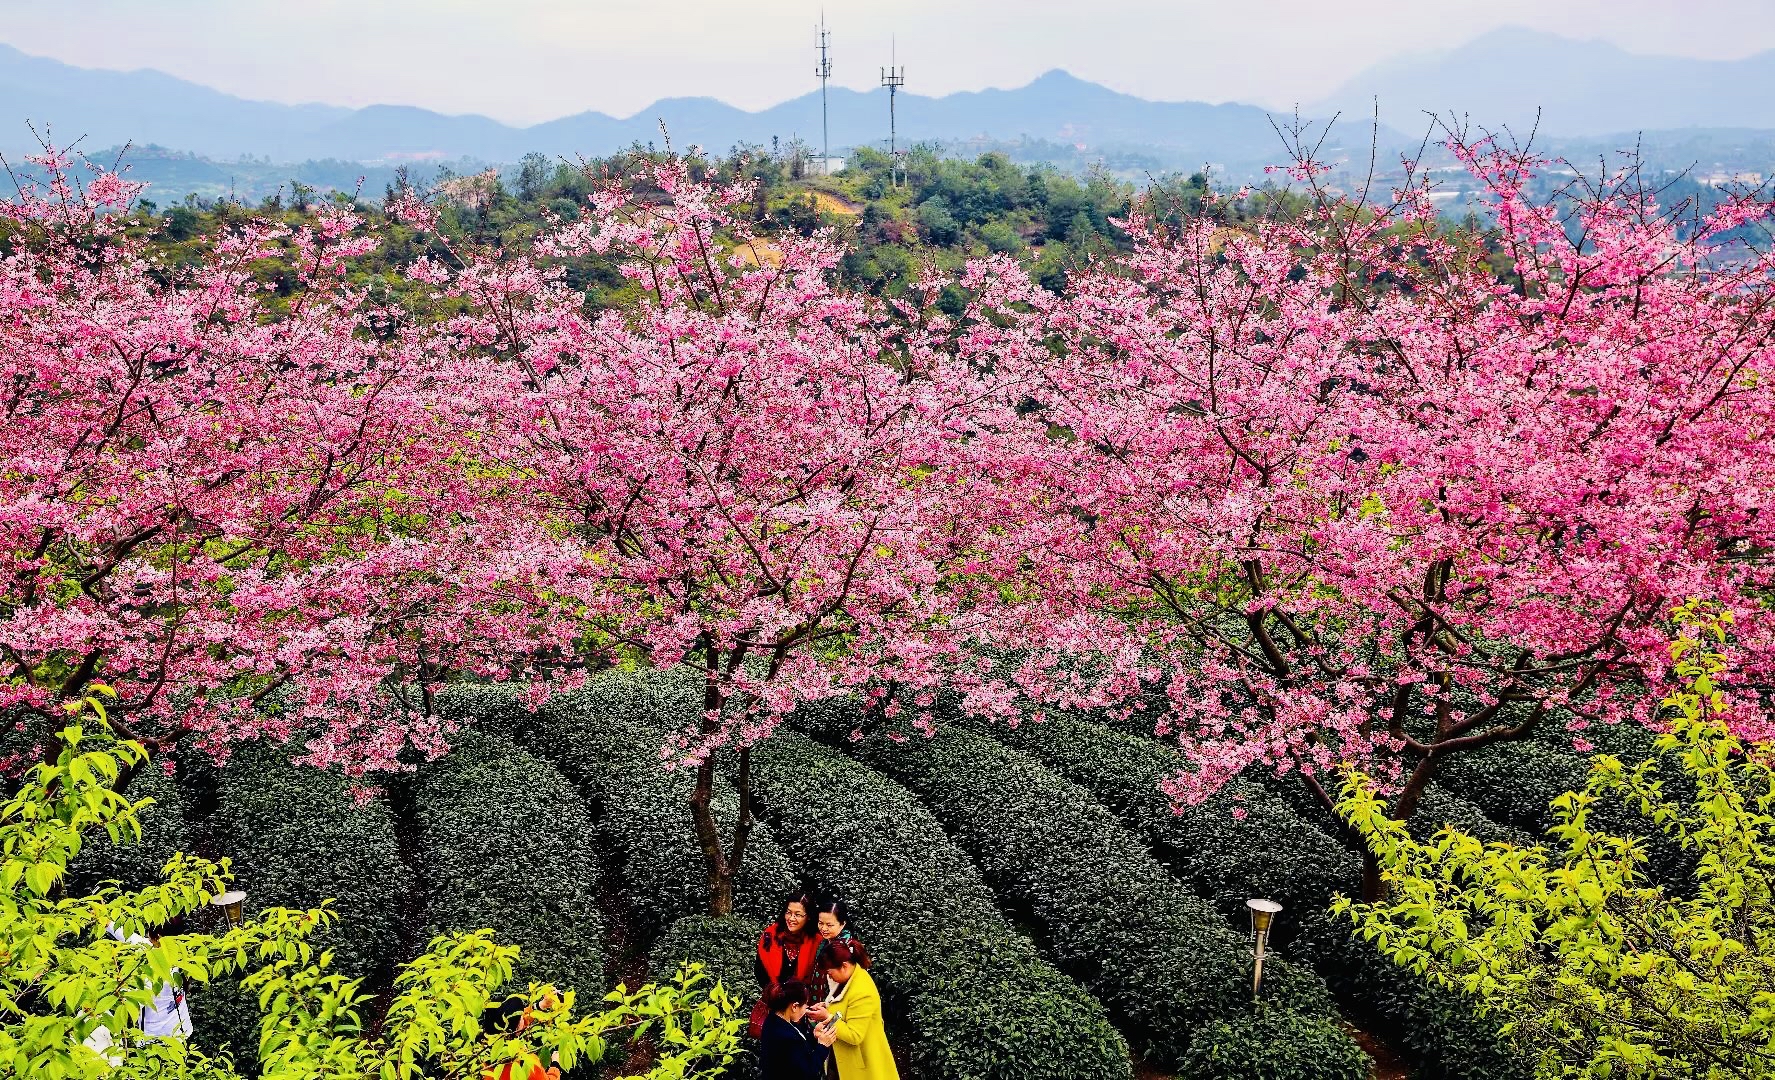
(1263, 913)
(230, 904)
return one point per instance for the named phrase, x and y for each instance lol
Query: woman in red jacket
(786, 951)
(786, 947)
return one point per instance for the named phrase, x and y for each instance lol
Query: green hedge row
(980, 1003)
(1278, 853)
(1269, 851)
(495, 708)
(726, 947)
(1438, 1031)
(298, 837)
(1442, 806)
(1163, 961)
(654, 699)
(505, 843)
(1516, 782)
(608, 743)
(1513, 782)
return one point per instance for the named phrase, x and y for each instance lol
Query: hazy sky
(527, 60)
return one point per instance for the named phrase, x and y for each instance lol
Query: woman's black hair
(808, 929)
(785, 994)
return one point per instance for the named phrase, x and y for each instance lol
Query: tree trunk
(721, 896)
(708, 838)
(721, 863)
(1374, 889)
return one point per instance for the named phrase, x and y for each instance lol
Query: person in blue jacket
(790, 1048)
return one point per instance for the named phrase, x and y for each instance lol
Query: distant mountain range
(1579, 87)
(1586, 88)
(109, 107)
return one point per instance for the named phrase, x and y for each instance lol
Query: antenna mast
(893, 78)
(823, 38)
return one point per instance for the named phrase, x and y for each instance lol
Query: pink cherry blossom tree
(1369, 489)
(748, 473)
(207, 504)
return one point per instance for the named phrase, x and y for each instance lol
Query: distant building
(1720, 178)
(828, 166)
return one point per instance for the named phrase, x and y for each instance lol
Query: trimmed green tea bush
(297, 837)
(1271, 1042)
(724, 946)
(1513, 782)
(1516, 783)
(1161, 959)
(1441, 1034)
(1438, 1031)
(980, 1002)
(504, 840)
(495, 708)
(1442, 807)
(1268, 851)
(644, 809)
(647, 696)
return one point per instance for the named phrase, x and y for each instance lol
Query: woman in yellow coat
(852, 1011)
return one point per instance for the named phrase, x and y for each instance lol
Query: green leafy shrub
(504, 840)
(135, 865)
(1512, 782)
(979, 1001)
(1597, 970)
(607, 739)
(724, 947)
(1163, 961)
(657, 700)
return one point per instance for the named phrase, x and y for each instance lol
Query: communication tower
(893, 78)
(823, 38)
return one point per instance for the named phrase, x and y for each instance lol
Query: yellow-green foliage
(1598, 972)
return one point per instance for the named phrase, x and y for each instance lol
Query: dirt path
(833, 203)
(1387, 1065)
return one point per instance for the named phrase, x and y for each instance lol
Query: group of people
(820, 1010)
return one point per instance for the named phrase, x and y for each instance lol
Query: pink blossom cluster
(1370, 490)
(1347, 486)
(245, 523)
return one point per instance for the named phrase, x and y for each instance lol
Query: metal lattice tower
(823, 38)
(893, 78)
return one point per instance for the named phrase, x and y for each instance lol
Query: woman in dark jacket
(790, 1049)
